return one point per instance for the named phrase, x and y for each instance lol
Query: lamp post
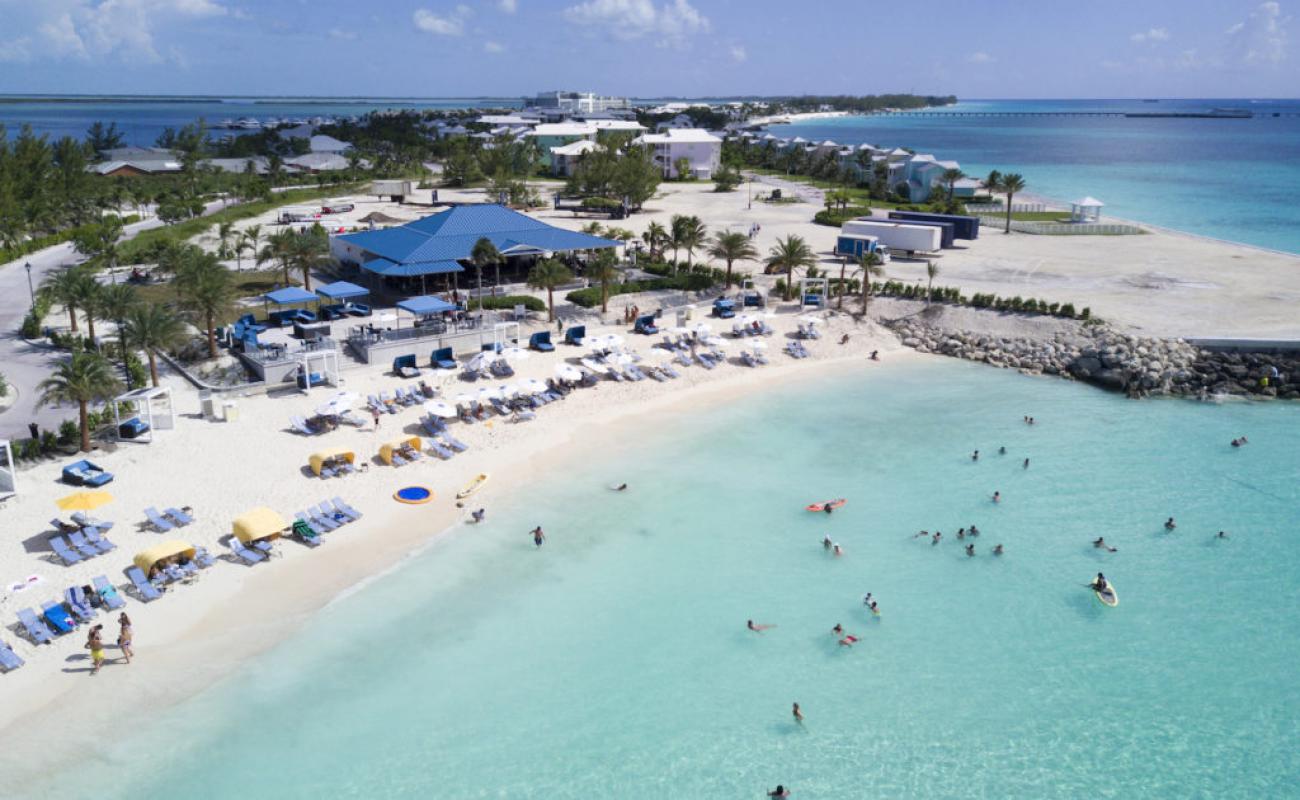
(751, 193)
(30, 290)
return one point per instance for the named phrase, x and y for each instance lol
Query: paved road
(25, 365)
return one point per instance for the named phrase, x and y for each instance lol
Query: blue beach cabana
(424, 306)
(289, 296)
(342, 293)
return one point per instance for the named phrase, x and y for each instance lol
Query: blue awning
(341, 290)
(425, 304)
(386, 267)
(289, 295)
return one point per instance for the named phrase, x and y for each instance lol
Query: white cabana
(318, 368)
(153, 412)
(8, 470)
(1086, 210)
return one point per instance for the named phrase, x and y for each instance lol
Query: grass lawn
(250, 283)
(132, 252)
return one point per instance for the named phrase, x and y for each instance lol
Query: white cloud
(342, 35)
(508, 6)
(1151, 35)
(493, 47)
(452, 24)
(60, 35)
(122, 29)
(672, 21)
(1262, 38)
(980, 57)
(16, 51)
(738, 53)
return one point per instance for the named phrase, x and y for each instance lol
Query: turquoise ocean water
(1225, 178)
(614, 661)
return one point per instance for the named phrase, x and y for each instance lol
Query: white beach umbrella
(486, 394)
(595, 366)
(515, 354)
(703, 328)
(345, 400)
(479, 362)
(463, 399)
(440, 409)
(613, 340)
(533, 386)
(758, 344)
(811, 320)
(568, 372)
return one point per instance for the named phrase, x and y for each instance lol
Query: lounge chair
(84, 473)
(247, 555)
(37, 631)
(203, 558)
(80, 520)
(524, 416)
(311, 516)
(63, 527)
(61, 549)
(108, 593)
(78, 540)
(180, 517)
(9, 660)
(453, 442)
(541, 341)
(575, 335)
(646, 325)
(58, 617)
(175, 573)
(76, 601)
(405, 366)
(327, 510)
(346, 509)
(429, 427)
(501, 369)
(306, 533)
(299, 425)
(352, 419)
(158, 521)
(440, 451)
(442, 358)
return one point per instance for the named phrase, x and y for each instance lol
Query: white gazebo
(8, 470)
(813, 291)
(1086, 210)
(153, 412)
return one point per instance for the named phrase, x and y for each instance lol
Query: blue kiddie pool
(413, 495)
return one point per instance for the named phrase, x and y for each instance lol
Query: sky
(651, 48)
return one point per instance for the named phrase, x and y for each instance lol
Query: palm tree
(484, 254)
(693, 235)
(677, 235)
(115, 303)
(872, 267)
(208, 291)
(993, 183)
(1010, 184)
(83, 379)
(593, 229)
(654, 237)
(224, 231)
(242, 246)
(548, 274)
(604, 270)
(307, 252)
(152, 327)
(279, 247)
(732, 246)
(787, 255)
(931, 272)
(86, 293)
(252, 236)
(60, 287)
(950, 178)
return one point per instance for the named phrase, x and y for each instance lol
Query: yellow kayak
(473, 486)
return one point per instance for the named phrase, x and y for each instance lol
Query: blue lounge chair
(358, 309)
(180, 517)
(346, 509)
(327, 510)
(84, 473)
(108, 593)
(541, 341)
(203, 558)
(133, 428)
(83, 521)
(174, 572)
(58, 617)
(61, 549)
(405, 366)
(158, 521)
(575, 335)
(454, 443)
(37, 631)
(300, 425)
(146, 590)
(306, 533)
(313, 516)
(250, 323)
(646, 325)
(76, 601)
(78, 540)
(245, 554)
(440, 451)
(443, 358)
(724, 309)
(9, 660)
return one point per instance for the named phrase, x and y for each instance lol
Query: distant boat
(1151, 101)
(247, 124)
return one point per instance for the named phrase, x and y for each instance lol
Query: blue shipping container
(854, 246)
(963, 227)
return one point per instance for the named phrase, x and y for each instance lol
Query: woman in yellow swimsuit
(95, 644)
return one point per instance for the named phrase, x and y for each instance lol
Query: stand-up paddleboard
(1109, 597)
(473, 486)
(823, 506)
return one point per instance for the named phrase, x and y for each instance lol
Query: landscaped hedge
(600, 202)
(509, 301)
(953, 295)
(838, 217)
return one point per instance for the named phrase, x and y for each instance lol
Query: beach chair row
(329, 515)
(394, 401)
(79, 545)
(796, 349)
(80, 604)
(169, 520)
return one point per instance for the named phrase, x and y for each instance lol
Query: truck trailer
(849, 245)
(964, 227)
(897, 236)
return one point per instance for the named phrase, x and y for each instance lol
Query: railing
(272, 354)
(1000, 208)
(1065, 228)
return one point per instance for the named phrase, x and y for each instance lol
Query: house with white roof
(701, 149)
(558, 134)
(919, 174)
(328, 144)
(565, 158)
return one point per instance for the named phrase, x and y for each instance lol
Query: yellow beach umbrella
(84, 501)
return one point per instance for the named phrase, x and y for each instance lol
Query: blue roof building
(435, 245)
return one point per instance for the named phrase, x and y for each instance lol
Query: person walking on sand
(374, 413)
(95, 644)
(124, 637)
(798, 715)
(538, 536)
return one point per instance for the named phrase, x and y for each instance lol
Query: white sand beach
(1159, 283)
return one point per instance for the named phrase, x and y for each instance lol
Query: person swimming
(875, 609)
(997, 497)
(1101, 545)
(828, 508)
(1222, 535)
(1236, 443)
(937, 537)
(920, 534)
(975, 456)
(1170, 524)
(970, 549)
(848, 640)
(1025, 465)
(1002, 451)
(997, 549)
(826, 542)
(838, 550)
(798, 715)
(757, 628)
(622, 487)
(779, 791)
(974, 531)
(866, 601)
(838, 630)
(478, 515)
(961, 533)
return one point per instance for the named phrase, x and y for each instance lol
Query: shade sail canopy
(341, 290)
(260, 523)
(425, 304)
(289, 295)
(318, 459)
(147, 558)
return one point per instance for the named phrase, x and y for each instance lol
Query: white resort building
(701, 149)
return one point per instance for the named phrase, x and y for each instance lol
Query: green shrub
(838, 217)
(135, 370)
(600, 202)
(49, 441)
(509, 301)
(68, 432)
(685, 281)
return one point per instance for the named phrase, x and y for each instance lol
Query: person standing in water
(1025, 465)
(975, 456)
(538, 536)
(1170, 524)
(997, 549)
(798, 715)
(997, 497)
(779, 791)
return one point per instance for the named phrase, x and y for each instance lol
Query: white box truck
(898, 237)
(394, 190)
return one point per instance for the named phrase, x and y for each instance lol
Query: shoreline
(197, 635)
